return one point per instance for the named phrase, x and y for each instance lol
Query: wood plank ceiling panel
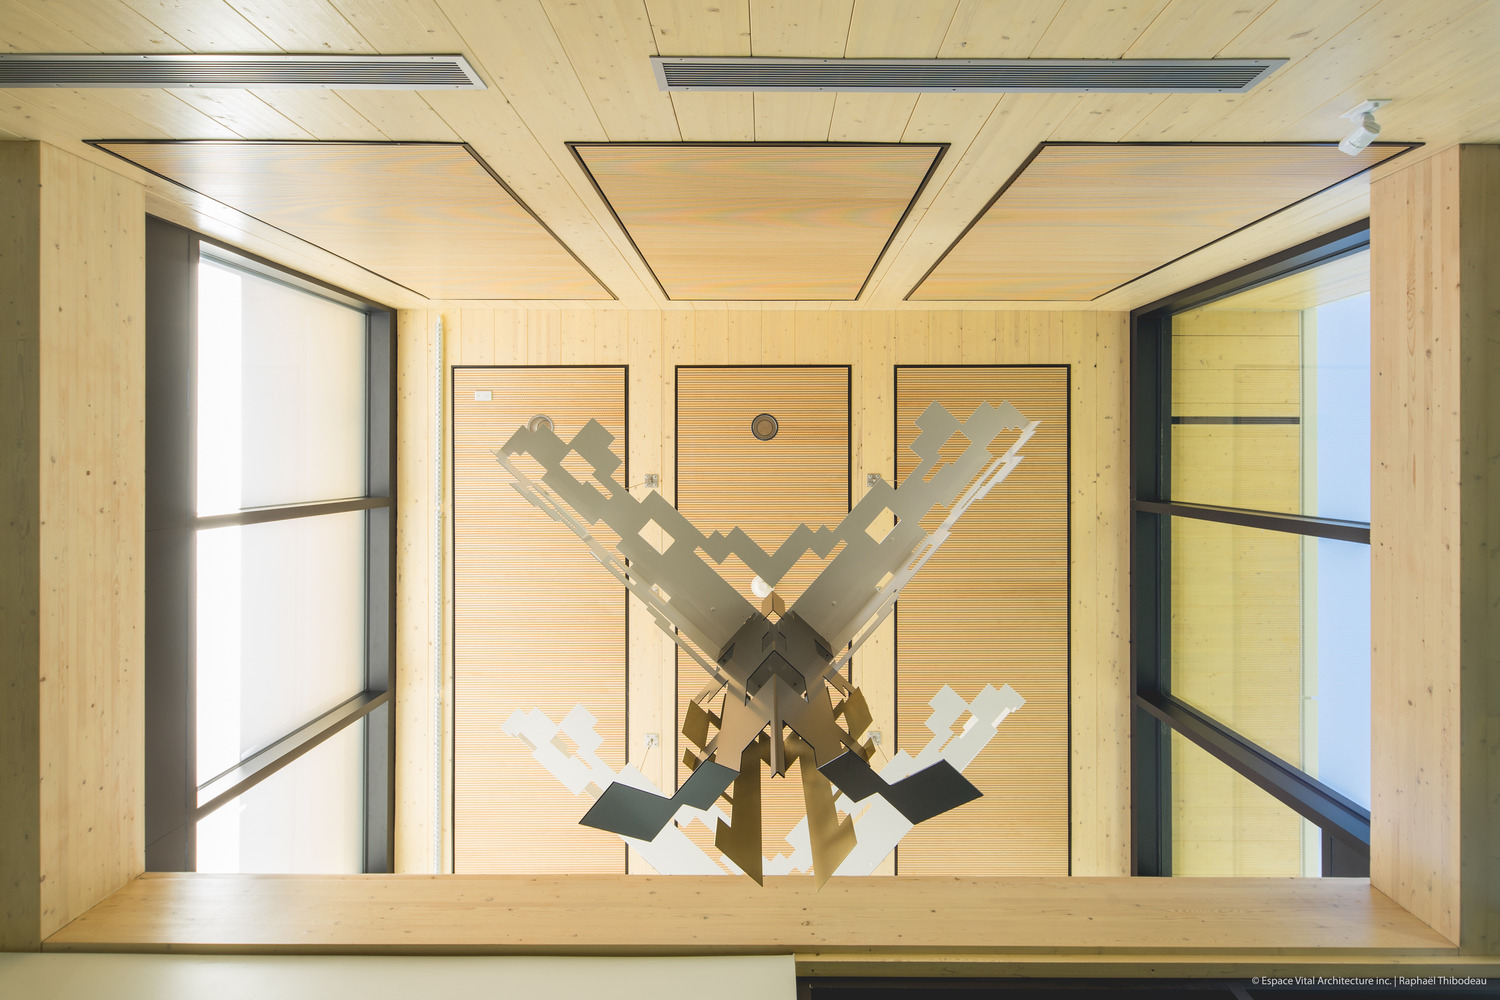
(991, 607)
(429, 216)
(1079, 220)
(726, 478)
(537, 623)
(767, 221)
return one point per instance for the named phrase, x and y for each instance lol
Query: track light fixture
(1365, 126)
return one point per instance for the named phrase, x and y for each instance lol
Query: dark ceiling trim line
(1409, 146)
(940, 147)
(1014, 176)
(545, 228)
(1342, 242)
(103, 146)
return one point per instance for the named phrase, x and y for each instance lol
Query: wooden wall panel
(654, 343)
(537, 624)
(73, 270)
(991, 607)
(1435, 561)
(727, 478)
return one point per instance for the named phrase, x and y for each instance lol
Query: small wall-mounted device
(1365, 127)
(873, 479)
(481, 395)
(653, 480)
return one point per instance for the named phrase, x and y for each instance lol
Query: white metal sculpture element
(878, 826)
(774, 666)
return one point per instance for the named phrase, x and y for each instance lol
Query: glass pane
(281, 630)
(307, 818)
(1223, 824)
(281, 393)
(1271, 396)
(1271, 637)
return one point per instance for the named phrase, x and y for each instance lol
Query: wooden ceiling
(560, 71)
(428, 216)
(759, 221)
(1081, 220)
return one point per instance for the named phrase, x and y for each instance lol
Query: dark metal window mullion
(259, 766)
(1151, 764)
(1265, 520)
(1295, 788)
(1344, 824)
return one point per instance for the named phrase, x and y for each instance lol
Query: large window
(1251, 414)
(270, 533)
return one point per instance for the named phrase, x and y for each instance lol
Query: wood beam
(72, 541)
(1435, 537)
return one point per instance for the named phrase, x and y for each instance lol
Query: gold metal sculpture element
(773, 665)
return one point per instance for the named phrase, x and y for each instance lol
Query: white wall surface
(327, 977)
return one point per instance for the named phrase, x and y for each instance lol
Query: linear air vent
(241, 72)
(965, 76)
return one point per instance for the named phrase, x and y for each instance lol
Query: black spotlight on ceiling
(764, 426)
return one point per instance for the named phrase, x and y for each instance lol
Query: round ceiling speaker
(540, 422)
(764, 426)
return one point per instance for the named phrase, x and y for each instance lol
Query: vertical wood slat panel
(727, 478)
(992, 607)
(537, 624)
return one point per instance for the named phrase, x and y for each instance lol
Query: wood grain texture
(598, 914)
(537, 625)
(654, 343)
(991, 607)
(428, 216)
(1330, 282)
(1081, 220)
(74, 430)
(759, 221)
(1435, 238)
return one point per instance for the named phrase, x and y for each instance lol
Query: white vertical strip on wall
(437, 598)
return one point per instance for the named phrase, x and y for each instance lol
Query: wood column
(1435, 536)
(72, 538)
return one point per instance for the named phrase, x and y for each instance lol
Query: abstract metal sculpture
(773, 664)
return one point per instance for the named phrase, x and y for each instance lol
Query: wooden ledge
(977, 918)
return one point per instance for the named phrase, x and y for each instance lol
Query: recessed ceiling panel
(771, 221)
(429, 216)
(1080, 219)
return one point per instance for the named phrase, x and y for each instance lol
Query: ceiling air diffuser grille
(965, 76)
(272, 71)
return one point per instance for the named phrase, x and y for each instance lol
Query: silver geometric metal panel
(776, 668)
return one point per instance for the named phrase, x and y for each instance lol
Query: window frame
(177, 797)
(1155, 712)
